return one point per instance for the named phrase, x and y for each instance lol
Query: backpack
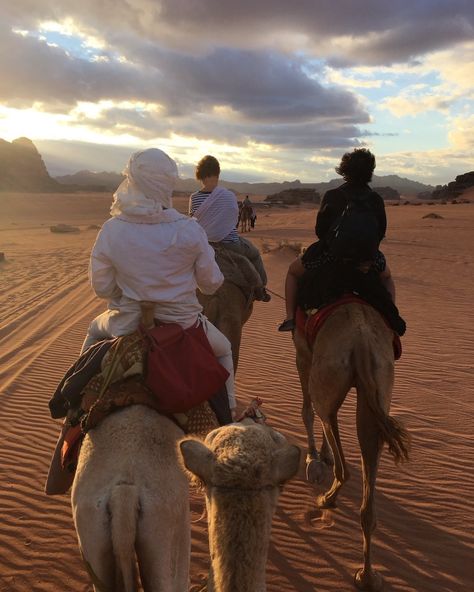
(355, 234)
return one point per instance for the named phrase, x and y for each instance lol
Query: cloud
(411, 103)
(241, 76)
(260, 96)
(33, 71)
(371, 32)
(461, 135)
(454, 65)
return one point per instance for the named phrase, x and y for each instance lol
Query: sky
(276, 90)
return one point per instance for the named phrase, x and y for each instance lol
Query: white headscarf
(150, 178)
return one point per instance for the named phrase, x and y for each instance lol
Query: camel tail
(392, 431)
(124, 507)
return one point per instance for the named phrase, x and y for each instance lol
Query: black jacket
(335, 201)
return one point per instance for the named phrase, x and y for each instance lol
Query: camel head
(243, 456)
(241, 467)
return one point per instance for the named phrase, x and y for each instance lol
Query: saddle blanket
(310, 326)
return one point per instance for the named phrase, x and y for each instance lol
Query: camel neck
(239, 532)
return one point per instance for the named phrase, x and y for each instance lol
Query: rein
(231, 489)
(275, 294)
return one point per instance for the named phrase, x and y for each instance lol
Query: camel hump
(237, 269)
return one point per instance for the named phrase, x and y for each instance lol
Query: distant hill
(23, 169)
(103, 181)
(400, 184)
(110, 181)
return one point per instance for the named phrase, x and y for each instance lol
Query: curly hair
(208, 166)
(357, 166)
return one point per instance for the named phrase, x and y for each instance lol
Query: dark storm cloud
(254, 59)
(34, 71)
(262, 89)
(384, 32)
(311, 135)
(258, 85)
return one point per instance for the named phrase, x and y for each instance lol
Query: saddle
(238, 270)
(310, 325)
(120, 384)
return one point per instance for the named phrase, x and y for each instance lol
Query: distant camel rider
(216, 210)
(248, 204)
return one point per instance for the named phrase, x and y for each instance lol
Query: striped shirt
(196, 200)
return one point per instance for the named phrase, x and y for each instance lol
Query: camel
(352, 349)
(245, 218)
(242, 467)
(228, 309)
(130, 503)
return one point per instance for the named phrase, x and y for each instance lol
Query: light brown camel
(228, 309)
(242, 467)
(352, 349)
(130, 504)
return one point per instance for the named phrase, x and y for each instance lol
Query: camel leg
(371, 447)
(314, 468)
(329, 386)
(93, 530)
(341, 474)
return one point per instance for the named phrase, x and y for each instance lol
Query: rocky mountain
(451, 190)
(23, 169)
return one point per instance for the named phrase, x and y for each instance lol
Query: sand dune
(424, 540)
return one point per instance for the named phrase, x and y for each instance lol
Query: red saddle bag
(181, 368)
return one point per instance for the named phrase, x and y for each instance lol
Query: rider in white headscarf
(150, 176)
(149, 251)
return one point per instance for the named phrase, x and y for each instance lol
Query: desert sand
(424, 541)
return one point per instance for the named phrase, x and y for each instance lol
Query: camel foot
(324, 502)
(370, 581)
(315, 470)
(325, 454)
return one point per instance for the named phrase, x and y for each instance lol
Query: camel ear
(197, 458)
(286, 461)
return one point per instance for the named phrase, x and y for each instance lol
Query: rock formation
(294, 196)
(451, 190)
(23, 169)
(387, 193)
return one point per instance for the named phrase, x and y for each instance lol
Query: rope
(274, 293)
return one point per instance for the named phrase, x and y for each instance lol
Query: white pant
(102, 328)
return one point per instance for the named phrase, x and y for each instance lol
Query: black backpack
(355, 234)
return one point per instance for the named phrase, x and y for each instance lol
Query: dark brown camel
(352, 349)
(245, 218)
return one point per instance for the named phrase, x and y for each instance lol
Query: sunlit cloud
(411, 103)
(461, 136)
(273, 90)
